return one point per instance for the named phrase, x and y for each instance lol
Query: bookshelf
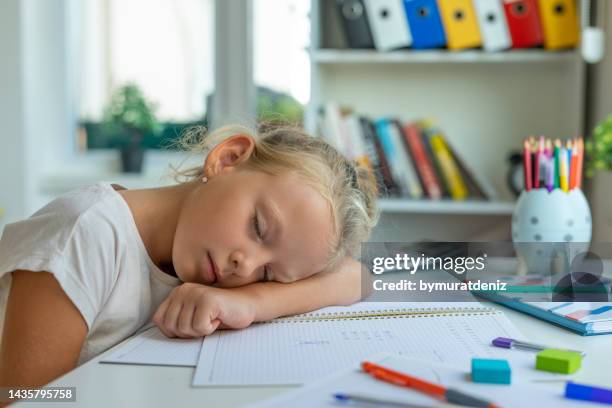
(331, 56)
(486, 103)
(467, 207)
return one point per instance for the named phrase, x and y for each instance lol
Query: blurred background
(100, 89)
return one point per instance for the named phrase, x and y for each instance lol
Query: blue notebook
(585, 318)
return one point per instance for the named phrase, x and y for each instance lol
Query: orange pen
(434, 390)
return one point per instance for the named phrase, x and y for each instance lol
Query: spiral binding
(385, 314)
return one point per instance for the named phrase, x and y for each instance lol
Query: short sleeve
(81, 252)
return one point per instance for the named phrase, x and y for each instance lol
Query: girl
(265, 228)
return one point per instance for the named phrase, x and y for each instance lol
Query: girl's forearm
(339, 287)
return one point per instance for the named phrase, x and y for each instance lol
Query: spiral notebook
(298, 349)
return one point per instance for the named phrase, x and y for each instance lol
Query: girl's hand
(194, 310)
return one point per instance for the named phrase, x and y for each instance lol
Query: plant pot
(132, 157)
(601, 202)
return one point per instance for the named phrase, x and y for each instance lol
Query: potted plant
(599, 168)
(129, 116)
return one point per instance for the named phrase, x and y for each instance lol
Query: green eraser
(558, 361)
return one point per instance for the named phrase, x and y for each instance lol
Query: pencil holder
(549, 229)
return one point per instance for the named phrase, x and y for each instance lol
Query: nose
(244, 265)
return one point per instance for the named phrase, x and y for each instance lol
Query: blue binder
(425, 24)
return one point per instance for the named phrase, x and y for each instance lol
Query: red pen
(434, 390)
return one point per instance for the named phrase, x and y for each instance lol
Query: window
(281, 65)
(164, 47)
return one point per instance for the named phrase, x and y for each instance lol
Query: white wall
(15, 185)
(601, 88)
(35, 120)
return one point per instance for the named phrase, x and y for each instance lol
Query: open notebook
(298, 349)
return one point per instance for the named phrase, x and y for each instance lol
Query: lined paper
(151, 347)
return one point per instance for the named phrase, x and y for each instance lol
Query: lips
(210, 269)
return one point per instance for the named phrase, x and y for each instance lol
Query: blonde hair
(349, 189)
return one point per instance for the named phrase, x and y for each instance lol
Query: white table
(111, 385)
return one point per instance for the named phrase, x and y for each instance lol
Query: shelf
(468, 207)
(350, 56)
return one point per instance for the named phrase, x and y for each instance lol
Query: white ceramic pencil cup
(543, 221)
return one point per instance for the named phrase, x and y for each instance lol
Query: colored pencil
(536, 165)
(557, 168)
(574, 165)
(563, 163)
(527, 165)
(580, 163)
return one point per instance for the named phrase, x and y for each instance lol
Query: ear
(228, 154)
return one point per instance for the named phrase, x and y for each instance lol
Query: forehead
(308, 231)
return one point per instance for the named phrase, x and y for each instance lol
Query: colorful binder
(460, 24)
(493, 26)
(355, 23)
(387, 20)
(523, 22)
(559, 23)
(425, 24)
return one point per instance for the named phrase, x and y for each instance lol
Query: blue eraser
(588, 393)
(485, 370)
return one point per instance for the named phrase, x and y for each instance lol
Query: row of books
(494, 25)
(413, 160)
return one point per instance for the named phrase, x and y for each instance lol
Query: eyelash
(266, 277)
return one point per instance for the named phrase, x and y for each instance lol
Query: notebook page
(151, 347)
(298, 352)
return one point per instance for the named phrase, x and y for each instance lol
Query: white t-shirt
(89, 241)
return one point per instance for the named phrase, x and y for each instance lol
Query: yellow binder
(460, 24)
(559, 23)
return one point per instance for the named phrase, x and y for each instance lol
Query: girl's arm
(43, 331)
(332, 288)
(194, 310)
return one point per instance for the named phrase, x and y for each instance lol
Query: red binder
(523, 23)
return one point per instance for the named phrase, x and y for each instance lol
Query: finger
(158, 317)
(171, 317)
(185, 319)
(204, 323)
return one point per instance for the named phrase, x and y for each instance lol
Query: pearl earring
(204, 179)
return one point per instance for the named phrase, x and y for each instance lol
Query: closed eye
(257, 227)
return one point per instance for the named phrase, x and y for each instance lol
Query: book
(449, 169)
(391, 187)
(405, 160)
(391, 152)
(585, 318)
(478, 186)
(299, 349)
(422, 161)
